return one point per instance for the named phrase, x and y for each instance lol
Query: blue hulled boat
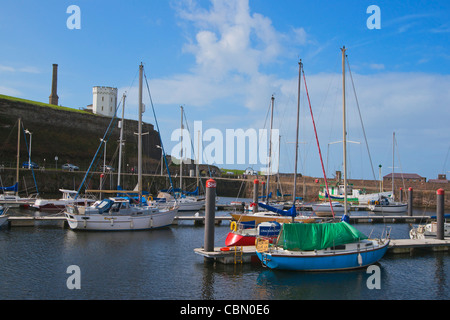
(321, 247)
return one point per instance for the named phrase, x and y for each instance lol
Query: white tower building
(104, 101)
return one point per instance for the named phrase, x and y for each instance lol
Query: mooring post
(210, 213)
(255, 195)
(401, 194)
(410, 202)
(440, 214)
(263, 191)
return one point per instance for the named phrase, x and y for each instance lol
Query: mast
(181, 152)
(141, 67)
(300, 65)
(344, 130)
(121, 141)
(198, 159)
(18, 155)
(393, 150)
(270, 151)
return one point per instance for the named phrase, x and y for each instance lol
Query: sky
(224, 60)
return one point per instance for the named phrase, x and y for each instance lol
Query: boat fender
(360, 262)
(233, 226)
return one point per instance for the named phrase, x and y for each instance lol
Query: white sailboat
(323, 209)
(119, 213)
(10, 196)
(388, 204)
(184, 202)
(427, 230)
(68, 197)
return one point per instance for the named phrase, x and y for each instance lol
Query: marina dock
(17, 221)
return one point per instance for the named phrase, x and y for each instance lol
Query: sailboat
(323, 246)
(120, 213)
(239, 234)
(186, 201)
(424, 231)
(11, 198)
(10, 195)
(68, 197)
(388, 204)
(324, 209)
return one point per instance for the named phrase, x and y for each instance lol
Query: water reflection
(161, 264)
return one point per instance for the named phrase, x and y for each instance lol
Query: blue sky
(223, 60)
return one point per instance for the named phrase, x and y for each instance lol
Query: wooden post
(255, 195)
(440, 214)
(210, 212)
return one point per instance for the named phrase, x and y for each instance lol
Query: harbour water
(161, 265)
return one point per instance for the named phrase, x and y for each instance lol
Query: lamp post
(159, 147)
(104, 154)
(29, 152)
(381, 180)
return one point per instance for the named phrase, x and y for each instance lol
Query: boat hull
(324, 209)
(57, 205)
(389, 208)
(238, 240)
(182, 206)
(234, 239)
(310, 261)
(338, 198)
(99, 222)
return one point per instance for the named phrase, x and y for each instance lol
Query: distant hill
(72, 135)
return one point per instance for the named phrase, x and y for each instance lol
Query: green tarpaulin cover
(317, 236)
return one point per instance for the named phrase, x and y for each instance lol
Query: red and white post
(210, 213)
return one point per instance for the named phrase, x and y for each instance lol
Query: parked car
(70, 167)
(32, 165)
(107, 168)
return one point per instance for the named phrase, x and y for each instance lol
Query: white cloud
(26, 69)
(10, 91)
(229, 39)
(6, 69)
(231, 46)
(377, 66)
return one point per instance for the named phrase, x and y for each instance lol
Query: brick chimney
(53, 99)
